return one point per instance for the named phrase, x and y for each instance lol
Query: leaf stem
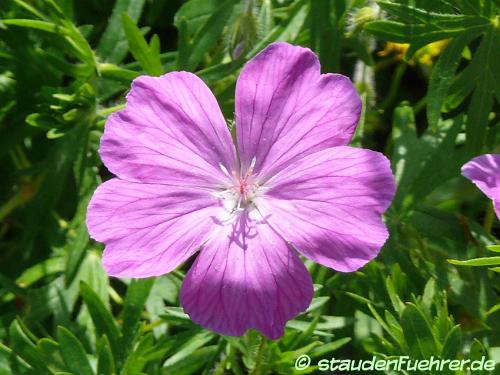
(258, 360)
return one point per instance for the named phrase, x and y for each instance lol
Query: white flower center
(241, 193)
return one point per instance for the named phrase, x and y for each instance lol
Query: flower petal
(149, 229)
(329, 205)
(171, 132)
(484, 172)
(286, 109)
(247, 277)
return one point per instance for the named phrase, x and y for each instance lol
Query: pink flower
(484, 172)
(289, 184)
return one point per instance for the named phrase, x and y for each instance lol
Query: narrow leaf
(477, 262)
(137, 294)
(113, 46)
(209, 33)
(442, 75)
(73, 352)
(101, 316)
(418, 334)
(148, 59)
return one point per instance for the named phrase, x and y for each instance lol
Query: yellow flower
(399, 49)
(423, 56)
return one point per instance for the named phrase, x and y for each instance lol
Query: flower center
(241, 192)
(244, 189)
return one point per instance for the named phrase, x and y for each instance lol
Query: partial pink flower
(290, 185)
(484, 172)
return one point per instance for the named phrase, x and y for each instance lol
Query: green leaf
(195, 14)
(105, 361)
(452, 344)
(423, 34)
(395, 327)
(193, 364)
(72, 35)
(176, 314)
(495, 248)
(463, 84)
(418, 334)
(421, 164)
(12, 287)
(405, 12)
(37, 25)
(477, 353)
(118, 73)
(477, 262)
(45, 268)
(41, 121)
(477, 116)
(440, 160)
(412, 14)
(145, 351)
(73, 352)
(324, 35)
(470, 6)
(442, 75)
(487, 56)
(185, 352)
(330, 347)
(184, 44)
(103, 320)
(76, 252)
(396, 302)
(113, 46)
(56, 168)
(407, 150)
(51, 351)
(304, 335)
(93, 274)
(137, 294)
(293, 27)
(428, 295)
(382, 323)
(208, 35)
(154, 45)
(317, 302)
(24, 347)
(31, 9)
(265, 21)
(148, 58)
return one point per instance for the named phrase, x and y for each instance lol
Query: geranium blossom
(484, 172)
(288, 185)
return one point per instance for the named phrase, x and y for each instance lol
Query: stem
(258, 361)
(489, 217)
(107, 111)
(113, 71)
(420, 105)
(10, 205)
(386, 63)
(393, 90)
(25, 163)
(149, 327)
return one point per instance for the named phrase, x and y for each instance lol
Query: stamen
(241, 192)
(224, 170)
(252, 166)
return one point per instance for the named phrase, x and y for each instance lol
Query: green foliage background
(65, 65)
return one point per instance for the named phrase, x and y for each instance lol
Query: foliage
(66, 65)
